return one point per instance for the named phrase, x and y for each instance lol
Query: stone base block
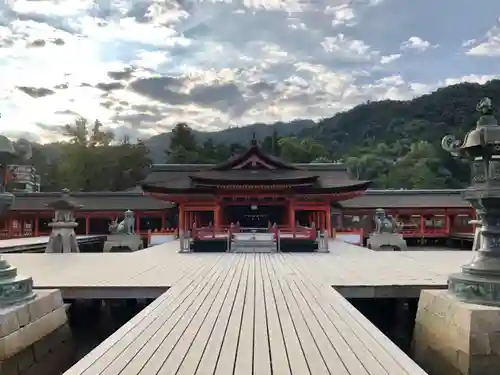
(456, 338)
(386, 241)
(122, 243)
(25, 324)
(53, 354)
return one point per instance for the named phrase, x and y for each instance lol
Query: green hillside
(396, 144)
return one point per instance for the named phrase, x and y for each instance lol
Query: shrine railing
(414, 232)
(208, 232)
(299, 232)
(160, 236)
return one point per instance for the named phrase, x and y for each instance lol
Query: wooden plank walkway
(26, 243)
(355, 271)
(248, 314)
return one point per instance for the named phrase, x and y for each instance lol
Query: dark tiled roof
(408, 199)
(121, 201)
(95, 201)
(254, 150)
(253, 175)
(178, 176)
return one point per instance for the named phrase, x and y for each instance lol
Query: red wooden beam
(253, 202)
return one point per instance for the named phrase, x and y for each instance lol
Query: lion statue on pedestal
(126, 226)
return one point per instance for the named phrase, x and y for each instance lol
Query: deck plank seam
(186, 316)
(266, 313)
(326, 291)
(244, 354)
(313, 336)
(254, 307)
(226, 326)
(130, 326)
(293, 323)
(290, 336)
(225, 295)
(241, 321)
(267, 279)
(149, 331)
(149, 321)
(181, 311)
(383, 341)
(354, 320)
(305, 299)
(186, 267)
(347, 328)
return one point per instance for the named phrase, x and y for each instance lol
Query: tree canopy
(92, 160)
(396, 144)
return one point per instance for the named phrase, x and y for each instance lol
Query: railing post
(278, 240)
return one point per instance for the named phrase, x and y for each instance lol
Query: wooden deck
(248, 314)
(244, 314)
(354, 271)
(28, 244)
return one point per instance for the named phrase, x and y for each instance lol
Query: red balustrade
(208, 232)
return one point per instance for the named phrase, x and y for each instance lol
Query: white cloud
(343, 15)
(140, 66)
(468, 43)
(395, 80)
(375, 2)
(417, 43)
(473, 78)
(389, 58)
(350, 49)
(425, 88)
(490, 46)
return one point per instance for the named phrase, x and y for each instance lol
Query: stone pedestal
(62, 238)
(456, 338)
(31, 334)
(116, 243)
(386, 241)
(14, 288)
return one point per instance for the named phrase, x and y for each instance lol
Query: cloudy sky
(140, 66)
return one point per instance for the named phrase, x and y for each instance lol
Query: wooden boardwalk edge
(248, 314)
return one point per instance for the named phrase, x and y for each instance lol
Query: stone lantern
(7, 154)
(14, 288)
(63, 238)
(479, 281)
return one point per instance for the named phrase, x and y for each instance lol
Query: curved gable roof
(255, 153)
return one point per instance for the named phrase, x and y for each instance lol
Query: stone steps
(236, 249)
(253, 243)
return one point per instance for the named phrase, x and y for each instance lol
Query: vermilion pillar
(217, 217)
(291, 213)
(35, 228)
(328, 213)
(181, 218)
(447, 223)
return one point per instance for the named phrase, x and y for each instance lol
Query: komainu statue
(384, 223)
(386, 236)
(122, 236)
(126, 226)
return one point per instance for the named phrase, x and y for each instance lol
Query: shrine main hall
(251, 190)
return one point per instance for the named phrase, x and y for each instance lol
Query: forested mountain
(156, 144)
(394, 143)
